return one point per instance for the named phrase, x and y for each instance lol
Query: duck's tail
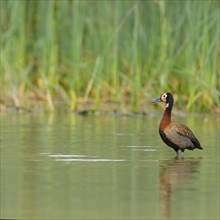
(196, 144)
(199, 147)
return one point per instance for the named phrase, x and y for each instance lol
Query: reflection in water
(174, 174)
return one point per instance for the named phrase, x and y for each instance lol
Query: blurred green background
(121, 52)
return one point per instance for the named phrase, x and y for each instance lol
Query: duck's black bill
(156, 100)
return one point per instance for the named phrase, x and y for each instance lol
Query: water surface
(105, 167)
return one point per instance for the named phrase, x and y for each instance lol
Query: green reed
(120, 51)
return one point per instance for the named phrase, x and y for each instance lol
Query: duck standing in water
(177, 136)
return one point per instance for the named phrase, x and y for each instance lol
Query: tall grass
(119, 51)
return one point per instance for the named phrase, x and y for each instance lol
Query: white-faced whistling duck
(177, 136)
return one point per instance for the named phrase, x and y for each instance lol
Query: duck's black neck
(170, 105)
(168, 110)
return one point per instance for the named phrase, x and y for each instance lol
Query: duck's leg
(182, 154)
(177, 153)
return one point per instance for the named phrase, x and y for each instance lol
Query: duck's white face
(163, 97)
(166, 98)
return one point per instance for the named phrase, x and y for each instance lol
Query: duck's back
(181, 136)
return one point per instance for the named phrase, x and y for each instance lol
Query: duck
(177, 136)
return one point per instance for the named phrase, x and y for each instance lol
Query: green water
(65, 166)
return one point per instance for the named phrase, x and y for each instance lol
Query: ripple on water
(81, 158)
(141, 148)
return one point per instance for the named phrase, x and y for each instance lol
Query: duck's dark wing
(181, 136)
(184, 131)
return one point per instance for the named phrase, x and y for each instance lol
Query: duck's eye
(164, 96)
